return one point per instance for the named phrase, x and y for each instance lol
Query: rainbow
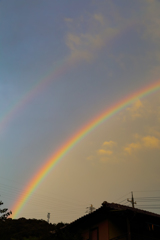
(38, 87)
(59, 69)
(70, 143)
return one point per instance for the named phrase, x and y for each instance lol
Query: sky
(63, 63)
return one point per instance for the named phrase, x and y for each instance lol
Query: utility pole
(48, 217)
(132, 200)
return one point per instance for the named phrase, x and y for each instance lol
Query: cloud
(147, 142)
(90, 158)
(151, 142)
(104, 159)
(150, 25)
(135, 109)
(104, 152)
(99, 18)
(84, 46)
(154, 131)
(109, 144)
(152, 20)
(132, 147)
(69, 20)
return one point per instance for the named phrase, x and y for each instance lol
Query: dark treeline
(33, 229)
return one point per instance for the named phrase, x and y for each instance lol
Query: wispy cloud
(99, 18)
(69, 20)
(83, 46)
(152, 19)
(150, 22)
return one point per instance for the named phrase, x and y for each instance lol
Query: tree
(66, 233)
(4, 212)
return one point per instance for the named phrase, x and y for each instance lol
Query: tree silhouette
(4, 212)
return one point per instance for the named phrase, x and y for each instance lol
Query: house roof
(108, 209)
(123, 207)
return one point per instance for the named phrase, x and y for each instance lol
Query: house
(118, 222)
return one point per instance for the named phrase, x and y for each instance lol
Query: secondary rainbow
(70, 143)
(53, 74)
(34, 90)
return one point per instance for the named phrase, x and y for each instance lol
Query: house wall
(101, 229)
(85, 235)
(107, 230)
(117, 229)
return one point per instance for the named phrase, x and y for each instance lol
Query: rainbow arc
(50, 163)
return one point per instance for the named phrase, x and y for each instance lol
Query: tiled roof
(113, 207)
(123, 207)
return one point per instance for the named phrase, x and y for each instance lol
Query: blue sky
(87, 55)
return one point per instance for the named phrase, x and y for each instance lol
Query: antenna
(90, 209)
(48, 217)
(132, 200)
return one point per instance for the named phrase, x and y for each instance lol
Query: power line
(151, 202)
(122, 196)
(132, 200)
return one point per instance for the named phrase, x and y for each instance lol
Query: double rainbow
(71, 142)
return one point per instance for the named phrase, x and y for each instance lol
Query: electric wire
(67, 208)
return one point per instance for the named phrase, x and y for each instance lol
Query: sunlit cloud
(104, 159)
(135, 109)
(83, 46)
(159, 116)
(147, 142)
(104, 152)
(109, 144)
(132, 147)
(151, 142)
(90, 158)
(154, 132)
